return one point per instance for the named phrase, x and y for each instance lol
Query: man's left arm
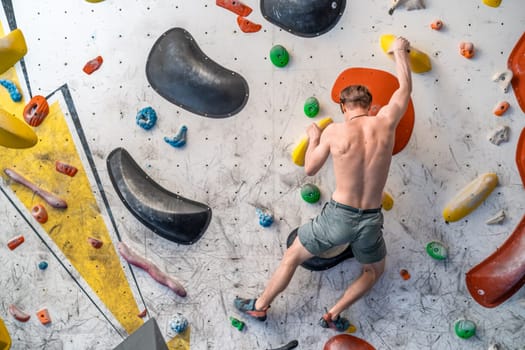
(318, 149)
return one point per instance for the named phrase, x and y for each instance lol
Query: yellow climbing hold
(470, 197)
(388, 201)
(299, 151)
(419, 61)
(492, 3)
(14, 132)
(12, 49)
(5, 339)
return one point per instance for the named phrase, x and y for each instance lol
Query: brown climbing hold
(93, 65)
(15, 242)
(96, 243)
(405, 274)
(36, 110)
(437, 24)
(248, 26)
(43, 316)
(143, 313)
(18, 314)
(235, 6)
(501, 108)
(466, 49)
(39, 212)
(64, 168)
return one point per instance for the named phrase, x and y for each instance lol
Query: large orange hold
(248, 26)
(520, 156)
(381, 85)
(347, 342)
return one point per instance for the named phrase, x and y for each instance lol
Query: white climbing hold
(496, 218)
(500, 135)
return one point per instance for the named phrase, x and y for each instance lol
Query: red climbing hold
(235, 6)
(93, 65)
(248, 26)
(64, 168)
(95, 243)
(15, 242)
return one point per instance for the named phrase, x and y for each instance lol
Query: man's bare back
(361, 150)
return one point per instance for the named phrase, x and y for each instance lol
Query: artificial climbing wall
(241, 163)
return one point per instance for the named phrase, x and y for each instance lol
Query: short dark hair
(356, 95)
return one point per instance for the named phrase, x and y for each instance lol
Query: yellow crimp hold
(470, 197)
(351, 329)
(12, 48)
(419, 61)
(14, 132)
(299, 151)
(94, 1)
(388, 201)
(5, 339)
(492, 3)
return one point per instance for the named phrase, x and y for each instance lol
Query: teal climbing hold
(465, 328)
(437, 250)
(311, 107)
(279, 56)
(16, 96)
(310, 193)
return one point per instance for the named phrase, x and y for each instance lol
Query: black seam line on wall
(80, 132)
(59, 260)
(10, 14)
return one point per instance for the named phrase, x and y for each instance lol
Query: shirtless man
(361, 148)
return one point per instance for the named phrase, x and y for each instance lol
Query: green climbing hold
(465, 328)
(311, 107)
(310, 193)
(279, 56)
(437, 250)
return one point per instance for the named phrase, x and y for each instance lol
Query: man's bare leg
(365, 282)
(294, 256)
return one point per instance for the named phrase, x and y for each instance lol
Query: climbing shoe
(340, 324)
(247, 306)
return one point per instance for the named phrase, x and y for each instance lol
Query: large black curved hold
(307, 18)
(317, 263)
(169, 215)
(181, 73)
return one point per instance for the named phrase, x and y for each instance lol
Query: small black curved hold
(319, 264)
(307, 18)
(169, 215)
(181, 73)
(291, 345)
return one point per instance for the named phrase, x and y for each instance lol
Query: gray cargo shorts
(339, 224)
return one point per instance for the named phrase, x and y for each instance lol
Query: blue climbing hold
(178, 323)
(265, 218)
(179, 139)
(16, 96)
(146, 118)
(42, 265)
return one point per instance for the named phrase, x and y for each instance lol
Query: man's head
(355, 96)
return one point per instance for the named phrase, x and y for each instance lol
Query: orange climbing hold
(36, 110)
(64, 168)
(405, 274)
(437, 24)
(43, 316)
(15, 242)
(248, 26)
(39, 212)
(520, 156)
(466, 49)
(93, 65)
(501, 108)
(235, 6)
